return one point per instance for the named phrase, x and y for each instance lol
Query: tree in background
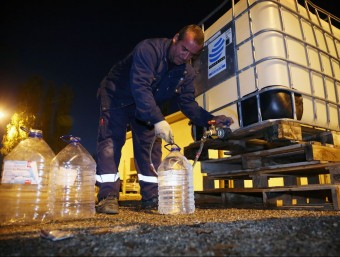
(14, 134)
(61, 120)
(30, 96)
(40, 107)
(47, 115)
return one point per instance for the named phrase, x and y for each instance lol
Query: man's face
(182, 51)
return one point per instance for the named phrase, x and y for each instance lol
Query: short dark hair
(196, 30)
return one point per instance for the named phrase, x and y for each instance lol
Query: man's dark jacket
(146, 78)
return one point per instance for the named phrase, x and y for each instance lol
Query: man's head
(187, 43)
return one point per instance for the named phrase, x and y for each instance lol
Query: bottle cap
(175, 148)
(70, 139)
(33, 132)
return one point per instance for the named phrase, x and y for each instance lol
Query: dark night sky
(77, 42)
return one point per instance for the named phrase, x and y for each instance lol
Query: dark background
(77, 42)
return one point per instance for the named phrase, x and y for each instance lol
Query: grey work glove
(163, 130)
(222, 120)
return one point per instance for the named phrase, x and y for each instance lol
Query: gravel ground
(210, 231)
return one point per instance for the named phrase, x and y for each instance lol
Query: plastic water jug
(72, 182)
(24, 181)
(175, 184)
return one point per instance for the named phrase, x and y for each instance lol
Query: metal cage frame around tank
(329, 40)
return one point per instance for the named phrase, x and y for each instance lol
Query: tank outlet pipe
(213, 132)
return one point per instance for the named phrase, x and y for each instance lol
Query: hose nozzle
(217, 132)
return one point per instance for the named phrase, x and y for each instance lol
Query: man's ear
(175, 38)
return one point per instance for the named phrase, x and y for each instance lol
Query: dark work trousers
(112, 130)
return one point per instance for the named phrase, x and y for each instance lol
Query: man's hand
(163, 130)
(222, 120)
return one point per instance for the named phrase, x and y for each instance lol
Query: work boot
(150, 204)
(108, 205)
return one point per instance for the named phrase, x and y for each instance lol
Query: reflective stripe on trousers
(111, 138)
(107, 178)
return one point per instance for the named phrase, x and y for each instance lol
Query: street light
(3, 121)
(2, 115)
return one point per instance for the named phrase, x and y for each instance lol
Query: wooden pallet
(292, 164)
(282, 159)
(313, 197)
(265, 136)
(306, 159)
